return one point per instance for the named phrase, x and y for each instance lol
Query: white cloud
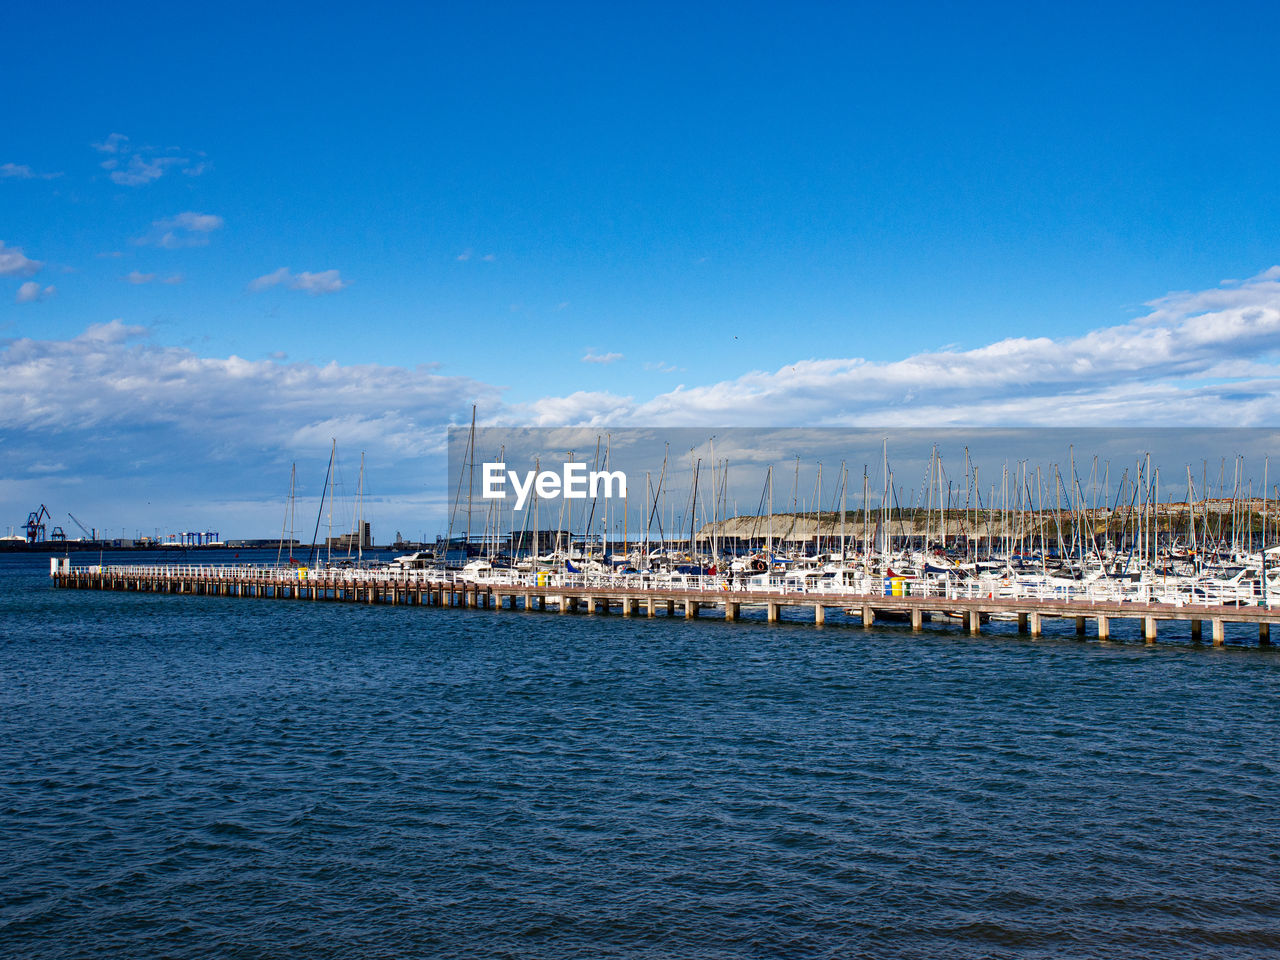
(132, 166)
(13, 263)
(113, 144)
(1196, 357)
(272, 279)
(31, 291)
(325, 281)
(117, 384)
(137, 277)
(172, 438)
(187, 229)
(196, 222)
(142, 170)
(20, 171)
(592, 357)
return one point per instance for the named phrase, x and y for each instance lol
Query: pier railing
(1172, 591)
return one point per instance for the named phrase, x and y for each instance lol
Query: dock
(969, 605)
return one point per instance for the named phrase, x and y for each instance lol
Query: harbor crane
(35, 524)
(92, 535)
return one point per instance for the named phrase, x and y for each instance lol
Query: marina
(566, 482)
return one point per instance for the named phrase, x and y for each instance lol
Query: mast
(966, 504)
(493, 518)
(471, 480)
(654, 508)
(844, 478)
(288, 510)
(1071, 453)
(884, 506)
(320, 513)
(715, 501)
(693, 505)
(648, 489)
(1191, 513)
(768, 548)
(560, 522)
(866, 520)
(605, 553)
(817, 536)
(1266, 462)
(360, 512)
(723, 511)
(328, 540)
(928, 509)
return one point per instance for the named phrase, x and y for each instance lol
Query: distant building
(348, 541)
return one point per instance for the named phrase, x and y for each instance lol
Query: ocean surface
(213, 777)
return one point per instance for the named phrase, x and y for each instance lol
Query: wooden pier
(567, 594)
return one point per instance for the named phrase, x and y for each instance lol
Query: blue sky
(568, 213)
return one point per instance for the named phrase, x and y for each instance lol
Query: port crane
(35, 524)
(92, 535)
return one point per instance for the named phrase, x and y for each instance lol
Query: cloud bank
(136, 421)
(1202, 357)
(115, 381)
(115, 422)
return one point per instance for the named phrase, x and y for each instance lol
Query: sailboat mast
(471, 480)
(1266, 463)
(844, 482)
(693, 505)
(293, 474)
(715, 497)
(817, 536)
(360, 512)
(866, 520)
(328, 540)
(769, 545)
(320, 513)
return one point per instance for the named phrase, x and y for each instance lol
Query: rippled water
(188, 776)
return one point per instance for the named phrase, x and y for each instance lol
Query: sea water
(204, 776)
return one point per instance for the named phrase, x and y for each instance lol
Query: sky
(232, 237)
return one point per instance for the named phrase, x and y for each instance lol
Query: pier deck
(576, 593)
